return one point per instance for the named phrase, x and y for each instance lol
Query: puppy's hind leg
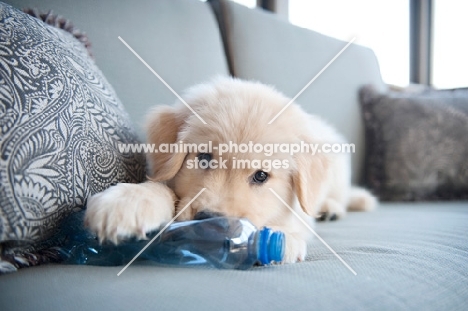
(126, 210)
(331, 210)
(361, 199)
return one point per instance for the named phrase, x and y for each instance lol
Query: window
(450, 49)
(247, 3)
(381, 25)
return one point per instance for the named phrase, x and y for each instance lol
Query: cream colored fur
(237, 111)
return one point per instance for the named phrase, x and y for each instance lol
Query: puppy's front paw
(296, 249)
(128, 210)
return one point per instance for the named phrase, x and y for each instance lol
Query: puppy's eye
(260, 177)
(206, 158)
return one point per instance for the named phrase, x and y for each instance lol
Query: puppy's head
(237, 182)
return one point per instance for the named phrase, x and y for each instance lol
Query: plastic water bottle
(220, 242)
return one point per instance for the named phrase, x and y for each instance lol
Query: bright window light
(381, 25)
(450, 57)
(247, 3)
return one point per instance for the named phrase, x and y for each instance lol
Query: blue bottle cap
(271, 246)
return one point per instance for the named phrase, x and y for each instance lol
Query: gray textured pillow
(416, 144)
(60, 126)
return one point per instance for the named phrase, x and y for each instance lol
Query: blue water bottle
(221, 242)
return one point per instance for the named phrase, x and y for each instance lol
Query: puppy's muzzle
(205, 214)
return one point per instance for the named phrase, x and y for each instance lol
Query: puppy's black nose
(205, 214)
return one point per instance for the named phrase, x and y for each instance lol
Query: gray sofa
(407, 255)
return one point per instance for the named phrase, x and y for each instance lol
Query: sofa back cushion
(263, 47)
(179, 39)
(418, 144)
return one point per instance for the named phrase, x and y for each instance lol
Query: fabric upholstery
(60, 128)
(265, 48)
(179, 39)
(407, 257)
(417, 144)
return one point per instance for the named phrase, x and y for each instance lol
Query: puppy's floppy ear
(310, 179)
(163, 127)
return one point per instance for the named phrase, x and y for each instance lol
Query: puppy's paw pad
(324, 216)
(331, 210)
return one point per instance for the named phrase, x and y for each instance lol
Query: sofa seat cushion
(407, 257)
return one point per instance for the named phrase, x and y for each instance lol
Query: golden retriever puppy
(238, 182)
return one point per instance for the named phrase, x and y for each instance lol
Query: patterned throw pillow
(60, 127)
(416, 144)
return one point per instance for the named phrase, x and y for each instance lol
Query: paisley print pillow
(60, 126)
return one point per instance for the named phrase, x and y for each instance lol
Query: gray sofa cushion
(407, 257)
(179, 39)
(417, 144)
(60, 128)
(265, 48)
